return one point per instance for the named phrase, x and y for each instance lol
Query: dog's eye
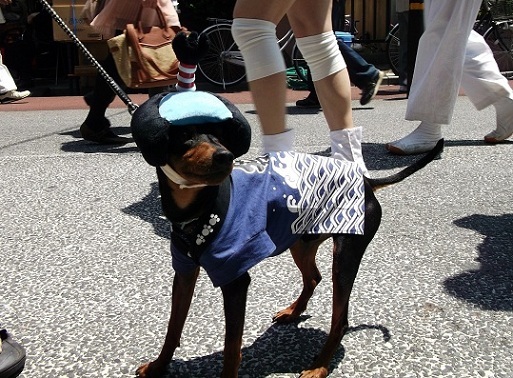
(180, 142)
(214, 132)
(182, 139)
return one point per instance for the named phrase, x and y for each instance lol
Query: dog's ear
(237, 132)
(151, 132)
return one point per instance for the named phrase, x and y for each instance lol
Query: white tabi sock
(278, 142)
(346, 144)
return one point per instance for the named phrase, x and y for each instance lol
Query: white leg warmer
(257, 42)
(346, 144)
(322, 54)
(278, 142)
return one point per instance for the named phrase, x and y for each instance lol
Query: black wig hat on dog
(153, 122)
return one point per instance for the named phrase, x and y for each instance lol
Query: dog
(227, 215)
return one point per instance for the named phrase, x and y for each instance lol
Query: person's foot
(371, 89)
(102, 136)
(420, 140)
(504, 128)
(12, 356)
(11, 96)
(309, 101)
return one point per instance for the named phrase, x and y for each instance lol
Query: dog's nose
(223, 157)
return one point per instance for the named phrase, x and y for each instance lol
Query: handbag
(144, 57)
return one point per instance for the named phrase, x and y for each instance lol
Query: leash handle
(114, 86)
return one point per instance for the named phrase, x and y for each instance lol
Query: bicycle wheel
(500, 39)
(223, 64)
(299, 63)
(393, 45)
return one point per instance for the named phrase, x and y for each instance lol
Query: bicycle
(494, 23)
(393, 45)
(224, 65)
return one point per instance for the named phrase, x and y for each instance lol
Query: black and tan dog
(227, 217)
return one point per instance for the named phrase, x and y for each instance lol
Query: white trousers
(452, 54)
(6, 81)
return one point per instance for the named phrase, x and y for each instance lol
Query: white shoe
(401, 147)
(504, 128)
(13, 95)
(423, 139)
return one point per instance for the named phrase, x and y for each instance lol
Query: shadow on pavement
(81, 145)
(282, 348)
(491, 286)
(378, 158)
(149, 209)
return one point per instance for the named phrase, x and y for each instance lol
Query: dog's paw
(141, 371)
(291, 313)
(287, 315)
(149, 370)
(321, 372)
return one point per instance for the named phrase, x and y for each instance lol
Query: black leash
(115, 87)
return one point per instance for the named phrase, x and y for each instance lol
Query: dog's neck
(182, 197)
(181, 205)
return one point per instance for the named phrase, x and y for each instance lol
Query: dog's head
(196, 134)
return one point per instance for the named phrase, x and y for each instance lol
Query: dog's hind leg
(303, 253)
(348, 251)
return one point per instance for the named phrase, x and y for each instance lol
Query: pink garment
(117, 13)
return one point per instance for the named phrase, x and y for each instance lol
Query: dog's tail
(378, 183)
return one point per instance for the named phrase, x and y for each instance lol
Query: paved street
(86, 273)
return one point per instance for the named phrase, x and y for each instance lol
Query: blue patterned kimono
(274, 199)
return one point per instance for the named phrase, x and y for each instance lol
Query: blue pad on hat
(193, 108)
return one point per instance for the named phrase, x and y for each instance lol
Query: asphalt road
(85, 278)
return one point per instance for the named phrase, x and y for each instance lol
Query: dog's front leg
(183, 289)
(234, 296)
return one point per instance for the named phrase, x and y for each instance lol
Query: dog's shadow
(491, 286)
(149, 209)
(282, 349)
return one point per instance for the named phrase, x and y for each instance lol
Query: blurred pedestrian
(361, 73)
(451, 54)
(8, 89)
(254, 31)
(111, 18)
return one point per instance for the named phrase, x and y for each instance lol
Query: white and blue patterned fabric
(275, 199)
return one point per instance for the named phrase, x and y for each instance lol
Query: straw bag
(144, 56)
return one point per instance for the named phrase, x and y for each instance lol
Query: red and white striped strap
(186, 77)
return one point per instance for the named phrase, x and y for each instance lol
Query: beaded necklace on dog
(194, 235)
